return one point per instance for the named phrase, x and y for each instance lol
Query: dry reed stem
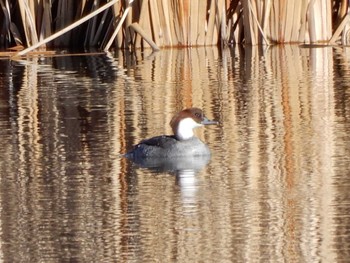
(303, 36)
(186, 21)
(163, 34)
(339, 29)
(328, 14)
(149, 40)
(319, 21)
(144, 21)
(45, 29)
(193, 23)
(168, 31)
(126, 11)
(211, 23)
(128, 34)
(255, 17)
(344, 5)
(179, 22)
(235, 18)
(118, 7)
(249, 34)
(5, 29)
(273, 22)
(91, 27)
(220, 20)
(295, 27)
(155, 23)
(28, 23)
(223, 27)
(99, 29)
(61, 32)
(288, 19)
(313, 21)
(266, 15)
(202, 15)
(172, 15)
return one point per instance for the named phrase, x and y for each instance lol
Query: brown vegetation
(158, 23)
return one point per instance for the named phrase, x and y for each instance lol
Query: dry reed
(171, 23)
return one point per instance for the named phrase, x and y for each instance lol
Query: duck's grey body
(168, 147)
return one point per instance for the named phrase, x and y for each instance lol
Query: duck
(183, 142)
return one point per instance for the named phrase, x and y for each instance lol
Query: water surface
(276, 188)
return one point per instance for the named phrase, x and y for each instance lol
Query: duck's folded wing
(159, 141)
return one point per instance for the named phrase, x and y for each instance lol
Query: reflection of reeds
(274, 112)
(159, 23)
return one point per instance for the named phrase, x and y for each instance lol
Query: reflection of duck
(182, 144)
(175, 164)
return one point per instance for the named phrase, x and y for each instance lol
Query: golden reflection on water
(276, 188)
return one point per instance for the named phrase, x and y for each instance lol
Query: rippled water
(276, 189)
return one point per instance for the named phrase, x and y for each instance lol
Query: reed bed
(156, 23)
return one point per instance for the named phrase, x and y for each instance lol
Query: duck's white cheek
(185, 128)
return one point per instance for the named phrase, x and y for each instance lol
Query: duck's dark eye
(198, 115)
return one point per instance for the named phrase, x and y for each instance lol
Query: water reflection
(276, 187)
(175, 164)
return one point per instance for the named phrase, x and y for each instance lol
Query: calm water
(276, 189)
